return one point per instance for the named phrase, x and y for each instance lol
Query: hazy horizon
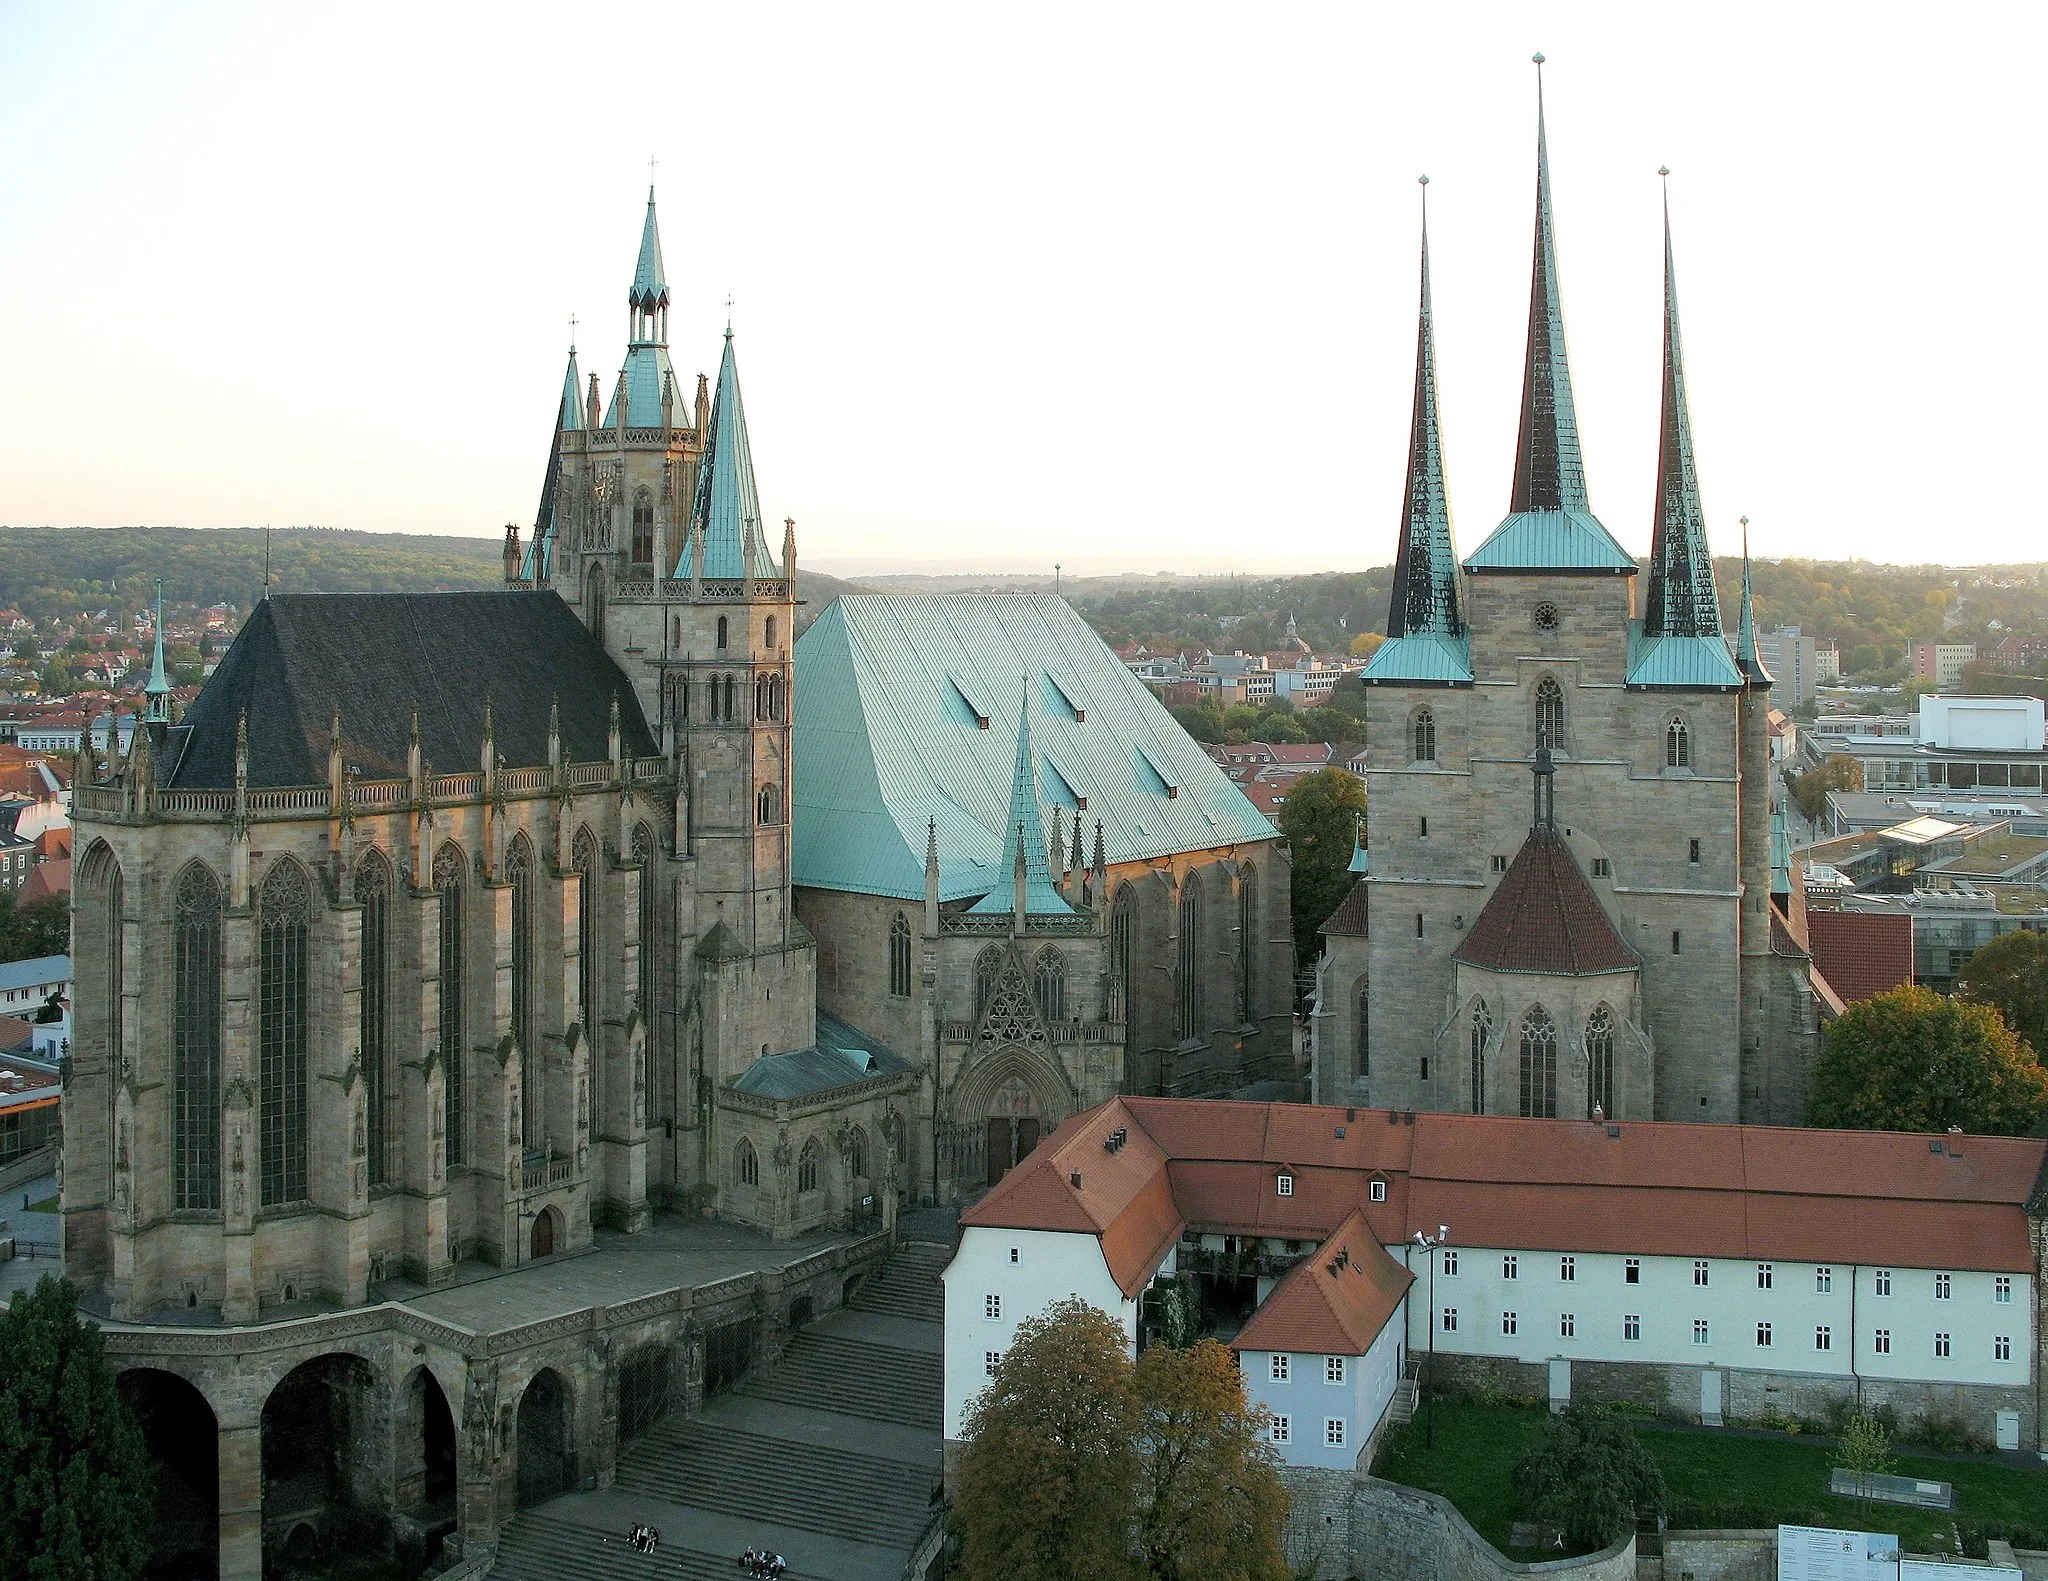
(1010, 286)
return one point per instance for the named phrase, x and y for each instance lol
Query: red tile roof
(1350, 916)
(1862, 953)
(1336, 1302)
(1544, 917)
(48, 878)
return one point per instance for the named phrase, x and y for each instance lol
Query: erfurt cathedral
(1567, 903)
(446, 925)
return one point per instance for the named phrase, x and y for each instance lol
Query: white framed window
(1508, 1322)
(1881, 1341)
(1766, 1276)
(1823, 1337)
(1567, 1325)
(1881, 1281)
(991, 1306)
(1333, 1432)
(1450, 1258)
(990, 1360)
(1568, 1269)
(1941, 1344)
(1699, 1271)
(1379, 1191)
(1284, 1184)
(1631, 1270)
(1450, 1320)
(1632, 1325)
(1699, 1331)
(1278, 1366)
(1823, 1281)
(2001, 1290)
(2001, 1347)
(1944, 1287)
(1763, 1336)
(1283, 1430)
(1510, 1268)
(1013, 1254)
(1334, 1370)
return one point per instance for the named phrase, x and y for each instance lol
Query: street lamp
(1429, 1245)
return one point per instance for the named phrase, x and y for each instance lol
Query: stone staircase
(830, 1456)
(1401, 1409)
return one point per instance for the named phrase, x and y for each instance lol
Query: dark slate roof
(842, 1056)
(1349, 917)
(1544, 917)
(374, 655)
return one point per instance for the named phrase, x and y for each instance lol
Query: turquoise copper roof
(899, 702)
(158, 687)
(1685, 664)
(842, 1055)
(650, 284)
(1552, 540)
(646, 374)
(727, 508)
(1024, 828)
(1747, 659)
(1427, 658)
(1680, 600)
(1425, 597)
(570, 417)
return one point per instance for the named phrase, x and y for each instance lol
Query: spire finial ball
(1422, 180)
(1537, 57)
(1663, 170)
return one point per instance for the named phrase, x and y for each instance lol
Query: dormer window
(1284, 1184)
(1379, 1191)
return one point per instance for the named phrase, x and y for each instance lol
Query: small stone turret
(511, 551)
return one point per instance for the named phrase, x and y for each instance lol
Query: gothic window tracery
(1600, 1064)
(1049, 985)
(372, 888)
(519, 873)
(857, 1153)
(1482, 1034)
(1248, 951)
(1677, 745)
(1012, 1014)
(988, 967)
(1188, 962)
(746, 1163)
(196, 1039)
(584, 858)
(284, 911)
(807, 1166)
(101, 877)
(645, 853)
(1539, 1065)
(768, 805)
(899, 956)
(1550, 714)
(643, 528)
(1361, 1061)
(1425, 736)
(1122, 1002)
(449, 870)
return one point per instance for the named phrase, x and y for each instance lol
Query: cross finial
(650, 178)
(728, 315)
(572, 334)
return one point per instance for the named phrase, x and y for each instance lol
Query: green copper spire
(1681, 600)
(647, 371)
(1747, 660)
(1549, 474)
(727, 507)
(158, 688)
(570, 417)
(650, 284)
(1025, 834)
(1426, 563)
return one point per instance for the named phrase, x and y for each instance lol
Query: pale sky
(1127, 286)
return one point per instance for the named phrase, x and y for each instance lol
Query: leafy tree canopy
(2011, 973)
(1811, 789)
(74, 1472)
(1915, 1060)
(37, 928)
(1320, 819)
(1210, 1503)
(1591, 1477)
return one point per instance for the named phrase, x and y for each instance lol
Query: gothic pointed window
(372, 887)
(1539, 1065)
(519, 873)
(1482, 1034)
(899, 956)
(449, 869)
(196, 1040)
(760, 698)
(1188, 962)
(768, 805)
(746, 1164)
(721, 633)
(284, 914)
(1123, 921)
(1049, 985)
(857, 1153)
(731, 692)
(1248, 945)
(988, 969)
(768, 639)
(807, 1166)
(1550, 714)
(1425, 736)
(1677, 745)
(643, 528)
(100, 880)
(1600, 1064)
(647, 854)
(584, 858)
(1361, 1060)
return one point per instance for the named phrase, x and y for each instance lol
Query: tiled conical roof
(727, 507)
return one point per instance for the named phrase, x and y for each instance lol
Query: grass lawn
(1716, 1479)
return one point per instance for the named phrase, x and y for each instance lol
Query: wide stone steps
(539, 1549)
(908, 1286)
(856, 1378)
(714, 1467)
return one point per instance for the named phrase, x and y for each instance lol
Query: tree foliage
(1321, 819)
(39, 927)
(1590, 1477)
(1210, 1503)
(1867, 1452)
(2011, 973)
(1051, 1461)
(74, 1472)
(1915, 1060)
(1810, 790)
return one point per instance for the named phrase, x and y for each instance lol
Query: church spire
(648, 297)
(1681, 600)
(1426, 562)
(727, 507)
(647, 372)
(1549, 474)
(158, 690)
(571, 415)
(1747, 659)
(1024, 838)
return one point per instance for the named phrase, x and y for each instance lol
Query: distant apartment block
(1827, 663)
(1792, 657)
(1942, 662)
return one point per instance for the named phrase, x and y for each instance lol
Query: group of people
(645, 1538)
(761, 1565)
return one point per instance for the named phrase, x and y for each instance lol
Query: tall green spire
(727, 507)
(1747, 659)
(1426, 563)
(1025, 834)
(647, 372)
(650, 283)
(570, 417)
(1681, 601)
(1549, 473)
(157, 710)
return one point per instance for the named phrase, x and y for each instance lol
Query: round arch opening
(182, 1435)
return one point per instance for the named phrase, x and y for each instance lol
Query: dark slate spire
(1426, 563)
(1549, 474)
(1681, 600)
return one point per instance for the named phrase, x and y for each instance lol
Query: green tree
(1279, 726)
(75, 1475)
(41, 927)
(1590, 1477)
(1320, 818)
(1866, 1452)
(1049, 1473)
(1202, 722)
(1210, 1503)
(1810, 790)
(1915, 1060)
(2011, 973)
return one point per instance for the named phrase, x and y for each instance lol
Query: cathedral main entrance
(1013, 1128)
